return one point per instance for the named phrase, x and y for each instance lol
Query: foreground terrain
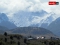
(15, 39)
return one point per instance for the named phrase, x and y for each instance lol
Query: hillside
(4, 21)
(8, 24)
(3, 29)
(35, 31)
(55, 26)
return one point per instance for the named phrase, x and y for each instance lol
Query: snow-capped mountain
(47, 21)
(35, 19)
(28, 19)
(25, 18)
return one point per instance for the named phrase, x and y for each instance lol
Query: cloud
(10, 7)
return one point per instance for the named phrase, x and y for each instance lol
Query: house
(31, 38)
(37, 37)
(54, 38)
(40, 37)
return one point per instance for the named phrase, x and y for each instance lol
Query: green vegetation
(15, 39)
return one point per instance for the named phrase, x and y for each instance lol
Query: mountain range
(25, 18)
(29, 19)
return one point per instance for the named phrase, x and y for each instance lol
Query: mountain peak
(3, 17)
(4, 21)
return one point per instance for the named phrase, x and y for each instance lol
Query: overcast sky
(12, 6)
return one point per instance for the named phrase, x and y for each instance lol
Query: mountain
(34, 25)
(26, 18)
(35, 31)
(3, 17)
(8, 24)
(44, 22)
(47, 21)
(3, 29)
(55, 26)
(44, 25)
(4, 21)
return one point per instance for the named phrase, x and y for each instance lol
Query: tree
(0, 43)
(5, 33)
(51, 38)
(18, 38)
(11, 42)
(5, 39)
(18, 43)
(11, 37)
(46, 42)
(51, 43)
(25, 40)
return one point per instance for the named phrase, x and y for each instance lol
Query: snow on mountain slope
(26, 18)
(23, 18)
